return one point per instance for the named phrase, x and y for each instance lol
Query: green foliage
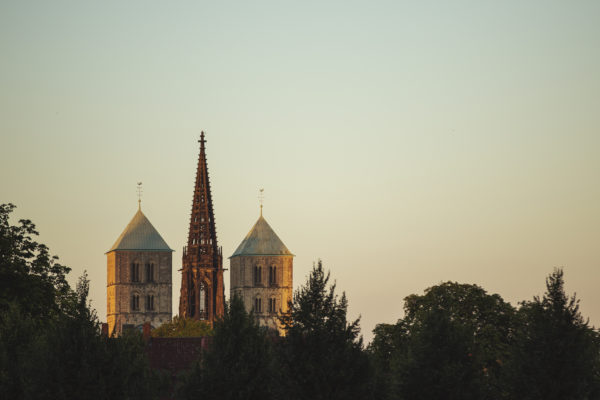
(555, 354)
(50, 341)
(66, 357)
(183, 327)
(321, 356)
(238, 363)
(29, 276)
(438, 361)
(452, 341)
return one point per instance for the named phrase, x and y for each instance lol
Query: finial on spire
(261, 198)
(139, 191)
(201, 141)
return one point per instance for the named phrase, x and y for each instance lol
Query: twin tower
(139, 269)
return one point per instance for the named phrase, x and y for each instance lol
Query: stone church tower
(138, 284)
(262, 274)
(202, 291)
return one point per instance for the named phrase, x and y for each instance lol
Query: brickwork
(175, 354)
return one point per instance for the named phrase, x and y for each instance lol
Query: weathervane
(139, 191)
(261, 198)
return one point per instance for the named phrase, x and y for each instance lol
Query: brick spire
(202, 291)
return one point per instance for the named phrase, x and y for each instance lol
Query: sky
(403, 143)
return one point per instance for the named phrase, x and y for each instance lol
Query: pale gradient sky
(404, 143)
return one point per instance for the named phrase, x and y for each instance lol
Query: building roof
(261, 241)
(140, 235)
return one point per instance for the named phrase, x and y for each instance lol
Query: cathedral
(139, 269)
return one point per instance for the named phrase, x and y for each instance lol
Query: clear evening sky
(404, 143)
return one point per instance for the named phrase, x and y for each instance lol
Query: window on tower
(257, 275)
(150, 302)
(192, 295)
(135, 302)
(135, 272)
(149, 272)
(272, 305)
(272, 275)
(202, 303)
(258, 305)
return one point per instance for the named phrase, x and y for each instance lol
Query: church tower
(138, 284)
(262, 274)
(202, 291)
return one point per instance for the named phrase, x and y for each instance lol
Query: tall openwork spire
(202, 294)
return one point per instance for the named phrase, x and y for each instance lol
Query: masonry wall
(242, 282)
(121, 288)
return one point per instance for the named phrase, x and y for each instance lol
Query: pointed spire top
(139, 192)
(202, 140)
(261, 198)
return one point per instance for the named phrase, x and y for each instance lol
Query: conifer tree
(321, 356)
(237, 363)
(556, 353)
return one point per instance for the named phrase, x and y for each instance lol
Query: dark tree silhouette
(238, 363)
(321, 356)
(556, 353)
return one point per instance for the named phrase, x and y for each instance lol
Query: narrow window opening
(135, 302)
(258, 305)
(150, 302)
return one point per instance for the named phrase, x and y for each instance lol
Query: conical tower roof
(261, 241)
(140, 235)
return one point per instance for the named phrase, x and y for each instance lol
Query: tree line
(455, 341)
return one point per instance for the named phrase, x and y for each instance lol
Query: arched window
(202, 304)
(272, 275)
(149, 272)
(135, 302)
(257, 275)
(272, 305)
(192, 294)
(150, 302)
(135, 272)
(258, 305)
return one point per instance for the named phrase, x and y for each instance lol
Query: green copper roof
(140, 235)
(261, 240)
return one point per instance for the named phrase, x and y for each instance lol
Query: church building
(139, 277)
(262, 274)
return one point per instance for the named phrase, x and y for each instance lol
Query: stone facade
(261, 273)
(265, 283)
(151, 283)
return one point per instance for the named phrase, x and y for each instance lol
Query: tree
(321, 356)
(50, 341)
(452, 340)
(66, 357)
(238, 363)
(183, 327)
(556, 353)
(29, 275)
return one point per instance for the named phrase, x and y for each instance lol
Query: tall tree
(238, 363)
(29, 275)
(556, 354)
(453, 340)
(321, 356)
(50, 341)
